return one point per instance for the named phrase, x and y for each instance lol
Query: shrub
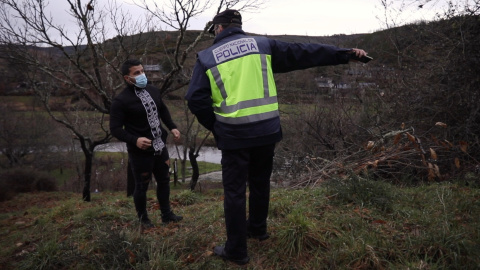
(186, 197)
(298, 235)
(24, 180)
(50, 255)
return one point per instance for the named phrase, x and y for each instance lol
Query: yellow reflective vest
(243, 87)
(232, 91)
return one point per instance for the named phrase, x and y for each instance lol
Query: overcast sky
(314, 17)
(295, 17)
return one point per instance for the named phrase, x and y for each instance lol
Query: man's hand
(176, 134)
(358, 52)
(144, 143)
(359, 55)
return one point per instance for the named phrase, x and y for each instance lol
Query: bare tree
(419, 118)
(84, 62)
(81, 61)
(424, 120)
(436, 71)
(26, 139)
(178, 15)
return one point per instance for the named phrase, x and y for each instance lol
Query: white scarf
(153, 120)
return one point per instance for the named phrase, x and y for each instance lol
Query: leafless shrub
(24, 180)
(400, 156)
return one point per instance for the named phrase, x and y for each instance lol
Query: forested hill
(421, 74)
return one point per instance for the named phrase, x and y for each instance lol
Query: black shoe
(146, 224)
(171, 217)
(220, 251)
(259, 237)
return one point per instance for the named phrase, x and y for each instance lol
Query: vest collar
(230, 31)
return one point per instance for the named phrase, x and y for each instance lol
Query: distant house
(343, 85)
(152, 68)
(355, 71)
(367, 84)
(324, 85)
(324, 82)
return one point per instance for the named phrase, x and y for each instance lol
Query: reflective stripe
(223, 109)
(266, 88)
(247, 119)
(245, 104)
(219, 82)
(248, 103)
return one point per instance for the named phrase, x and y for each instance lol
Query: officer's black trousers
(239, 167)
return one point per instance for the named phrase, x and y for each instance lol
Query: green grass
(345, 224)
(62, 175)
(27, 100)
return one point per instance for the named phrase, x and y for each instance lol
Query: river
(207, 154)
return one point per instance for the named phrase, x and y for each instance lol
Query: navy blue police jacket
(285, 57)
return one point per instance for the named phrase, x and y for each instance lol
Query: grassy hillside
(346, 224)
(351, 223)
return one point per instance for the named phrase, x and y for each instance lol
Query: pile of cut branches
(397, 156)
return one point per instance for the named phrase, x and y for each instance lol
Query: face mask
(141, 81)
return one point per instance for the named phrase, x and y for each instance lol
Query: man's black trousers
(143, 166)
(239, 167)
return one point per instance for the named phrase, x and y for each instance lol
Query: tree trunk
(88, 152)
(184, 169)
(88, 175)
(175, 173)
(195, 170)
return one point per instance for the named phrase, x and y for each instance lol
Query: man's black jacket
(128, 118)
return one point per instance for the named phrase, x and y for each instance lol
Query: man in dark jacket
(135, 117)
(233, 94)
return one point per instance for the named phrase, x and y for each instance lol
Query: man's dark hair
(128, 64)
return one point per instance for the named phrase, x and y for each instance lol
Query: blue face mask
(141, 81)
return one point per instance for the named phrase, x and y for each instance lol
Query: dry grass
(353, 223)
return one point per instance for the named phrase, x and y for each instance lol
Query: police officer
(233, 94)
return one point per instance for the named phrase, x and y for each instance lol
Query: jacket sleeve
(117, 118)
(199, 97)
(295, 56)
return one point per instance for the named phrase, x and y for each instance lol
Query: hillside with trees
(379, 167)
(410, 113)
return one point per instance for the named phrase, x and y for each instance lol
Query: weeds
(280, 208)
(298, 235)
(361, 192)
(115, 249)
(186, 197)
(52, 255)
(339, 226)
(162, 258)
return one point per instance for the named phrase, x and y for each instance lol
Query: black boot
(220, 251)
(170, 217)
(258, 234)
(259, 237)
(146, 224)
